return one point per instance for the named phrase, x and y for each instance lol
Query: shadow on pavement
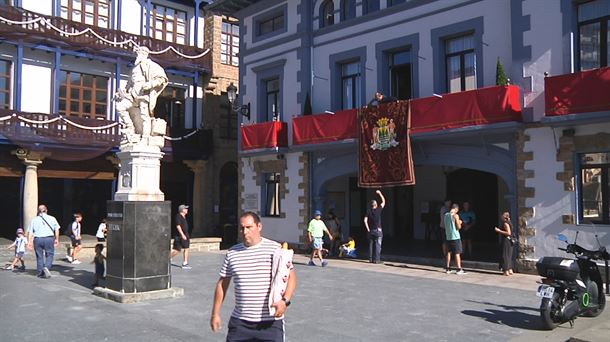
(77, 276)
(512, 316)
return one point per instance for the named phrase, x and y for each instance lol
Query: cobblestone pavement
(349, 300)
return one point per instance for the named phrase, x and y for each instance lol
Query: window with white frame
(272, 24)
(168, 24)
(5, 84)
(171, 106)
(327, 13)
(83, 95)
(399, 65)
(272, 100)
(348, 9)
(91, 12)
(229, 43)
(594, 34)
(350, 85)
(370, 6)
(395, 2)
(272, 194)
(460, 60)
(594, 196)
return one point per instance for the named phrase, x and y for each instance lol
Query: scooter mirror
(562, 237)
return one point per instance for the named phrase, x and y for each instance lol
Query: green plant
(501, 78)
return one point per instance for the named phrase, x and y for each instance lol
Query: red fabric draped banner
(264, 135)
(384, 154)
(585, 91)
(321, 128)
(467, 108)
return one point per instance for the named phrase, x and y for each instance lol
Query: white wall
(551, 201)
(545, 40)
(131, 14)
(496, 39)
(42, 7)
(279, 229)
(36, 89)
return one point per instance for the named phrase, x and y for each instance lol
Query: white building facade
(548, 165)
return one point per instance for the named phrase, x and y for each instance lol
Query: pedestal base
(139, 177)
(138, 246)
(126, 298)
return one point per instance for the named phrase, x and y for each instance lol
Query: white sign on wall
(251, 202)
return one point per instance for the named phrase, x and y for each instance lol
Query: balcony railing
(272, 134)
(456, 110)
(580, 92)
(39, 32)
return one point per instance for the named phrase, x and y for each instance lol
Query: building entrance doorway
(480, 189)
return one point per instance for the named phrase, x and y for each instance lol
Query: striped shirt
(250, 270)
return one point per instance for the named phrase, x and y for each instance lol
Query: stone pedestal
(139, 177)
(138, 247)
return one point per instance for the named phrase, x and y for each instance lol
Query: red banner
(320, 128)
(467, 108)
(581, 92)
(264, 135)
(384, 154)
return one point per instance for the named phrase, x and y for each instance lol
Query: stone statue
(136, 103)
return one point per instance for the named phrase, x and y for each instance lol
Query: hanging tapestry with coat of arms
(384, 153)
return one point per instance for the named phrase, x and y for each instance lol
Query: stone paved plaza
(346, 301)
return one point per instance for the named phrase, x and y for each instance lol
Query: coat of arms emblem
(384, 134)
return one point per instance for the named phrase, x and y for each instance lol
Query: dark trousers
(240, 330)
(45, 250)
(375, 239)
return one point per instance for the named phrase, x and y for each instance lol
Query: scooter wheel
(549, 312)
(597, 298)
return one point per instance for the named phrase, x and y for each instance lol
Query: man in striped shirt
(249, 265)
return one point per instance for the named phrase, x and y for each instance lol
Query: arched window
(348, 9)
(370, 6)
(327, 13)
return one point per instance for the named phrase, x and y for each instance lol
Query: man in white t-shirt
(250, 265)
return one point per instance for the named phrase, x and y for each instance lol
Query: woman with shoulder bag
(506, 233)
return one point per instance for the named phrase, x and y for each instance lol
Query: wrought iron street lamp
(232, 95)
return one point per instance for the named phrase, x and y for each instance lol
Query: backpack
(68, 230)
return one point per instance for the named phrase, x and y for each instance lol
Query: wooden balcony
(580, 92)
(477, 107)
(40, 32)
(66, 140)
(265, 135)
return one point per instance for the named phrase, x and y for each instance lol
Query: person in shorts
(75, 237)
(454, 244)
(315, 233)
(182, 240)
(19, 245)
(98, 260)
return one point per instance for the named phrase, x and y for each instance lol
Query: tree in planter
(501, 78)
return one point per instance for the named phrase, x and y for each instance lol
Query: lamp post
(232, 95)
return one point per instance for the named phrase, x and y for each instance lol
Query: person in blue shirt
(469, 219)
(43, 236)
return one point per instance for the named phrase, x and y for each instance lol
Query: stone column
(200, 213)
(31, 160)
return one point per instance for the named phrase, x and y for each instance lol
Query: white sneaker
(460, 272)
(76, 262)
(69, 258)
(9, 267)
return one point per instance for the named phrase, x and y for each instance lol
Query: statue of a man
(136, 103)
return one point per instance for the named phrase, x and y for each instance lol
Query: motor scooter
(571, 287)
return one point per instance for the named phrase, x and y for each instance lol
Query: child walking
(19, 244)
(315, 232)
(98, 260)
